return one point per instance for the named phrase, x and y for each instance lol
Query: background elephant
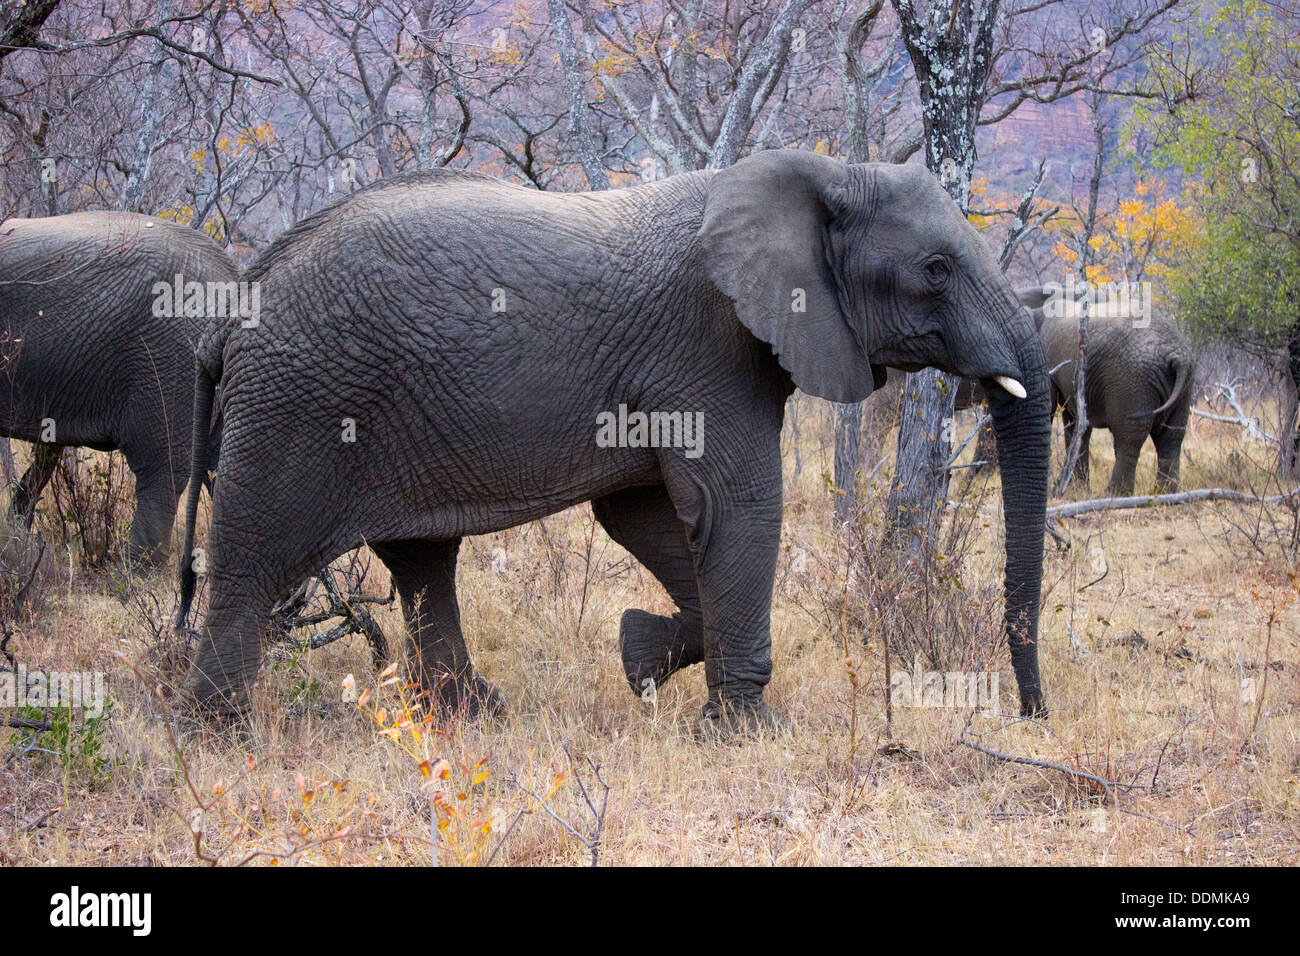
(1139, 383)
(437, 352)
(88, 362)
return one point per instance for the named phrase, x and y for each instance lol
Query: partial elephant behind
(1139, 384)
(100, 314)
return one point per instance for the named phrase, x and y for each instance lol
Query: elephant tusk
(1011, 385)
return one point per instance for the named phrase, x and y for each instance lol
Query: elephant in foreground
(1139, 384)
(95, 354)
(444, 354)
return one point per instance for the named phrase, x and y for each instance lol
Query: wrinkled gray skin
(672, 296)
(970, 393)
(83, 348)
(1139, 384)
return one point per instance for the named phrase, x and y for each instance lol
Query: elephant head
(847, 269)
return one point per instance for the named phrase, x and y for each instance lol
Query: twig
(1229, 394)
(1108, 785)
(872, 473)
(590, 839)
(981, 419)
(347, 603)
(1026, 220)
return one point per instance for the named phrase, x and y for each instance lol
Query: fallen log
(1177, 498)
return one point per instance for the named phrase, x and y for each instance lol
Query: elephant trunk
(1022, 427)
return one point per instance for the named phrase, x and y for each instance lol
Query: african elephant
(96, 356)
(1139, 383)
(443, 354)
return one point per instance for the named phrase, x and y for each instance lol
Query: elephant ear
(1035, 296)
(766, 237)
(1035, 299)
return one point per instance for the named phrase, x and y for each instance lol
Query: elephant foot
(468, 700)
(1033, 705)
(741, 721)
(142, 562)
(204, 707)
(195, 724)
(656, 647)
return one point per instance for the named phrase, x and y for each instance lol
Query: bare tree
(20, 24)
(575, 81)
(955, 50)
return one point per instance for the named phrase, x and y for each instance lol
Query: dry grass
(1209, 775)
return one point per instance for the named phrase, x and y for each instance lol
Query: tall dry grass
(1169, 651)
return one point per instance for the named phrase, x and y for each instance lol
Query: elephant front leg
(655, 647)
(734, 538)
(229, 649)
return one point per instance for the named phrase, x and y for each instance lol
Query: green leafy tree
(1230, 119)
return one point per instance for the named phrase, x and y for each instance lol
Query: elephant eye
(937, 271)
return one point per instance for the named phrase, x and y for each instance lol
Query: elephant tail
(205, 440)
(1182, 376)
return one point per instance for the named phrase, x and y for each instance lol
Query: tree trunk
(575, 82)
(1075, 448)
(848, 418)
(951, 60)
(792, 413)
(150, 116)
(428, 91)
(920, 487)
(22, 26)
(1289, 443)
(848, 442)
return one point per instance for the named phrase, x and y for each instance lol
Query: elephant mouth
(1010, 384)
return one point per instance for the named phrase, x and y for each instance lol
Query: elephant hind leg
(1169, 449)
(45, 460)
(249, 568)
(1128, 449)
(655, 647)
(156, 501)
(424, 573)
